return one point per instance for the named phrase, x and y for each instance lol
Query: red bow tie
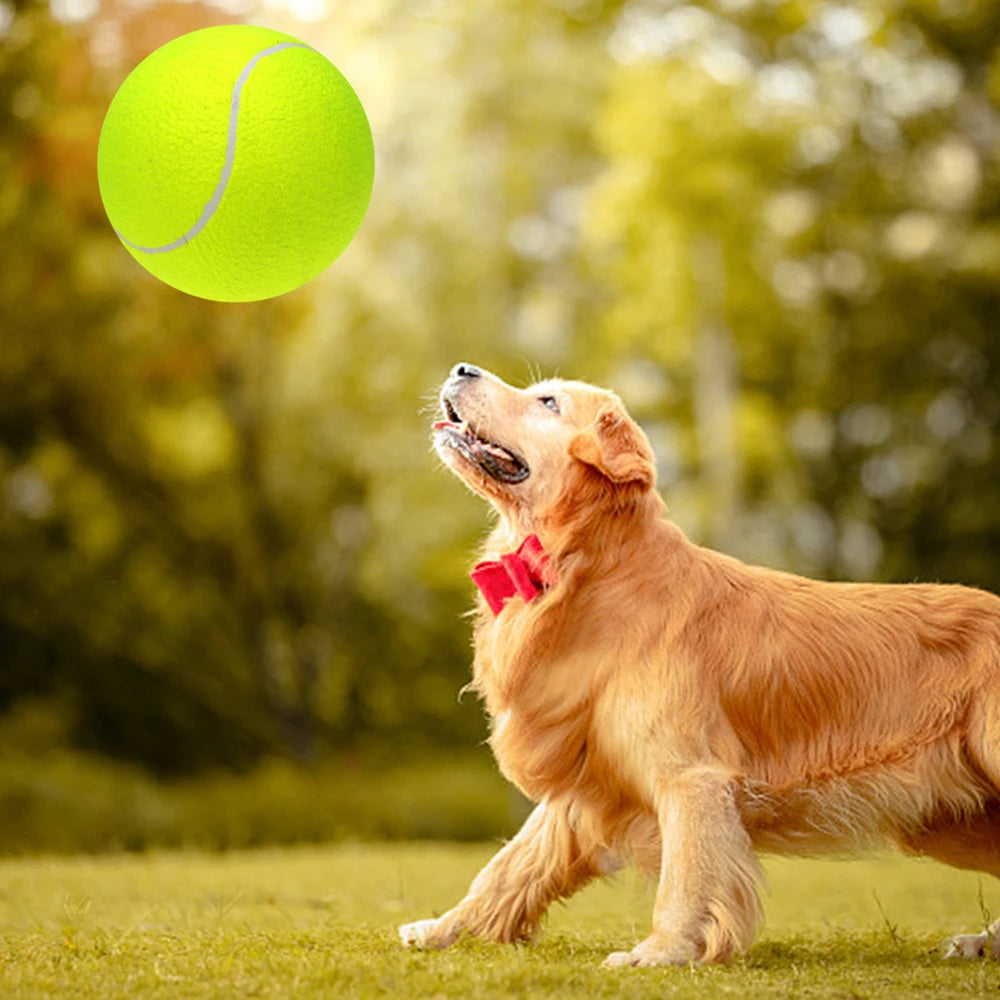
(524, 573)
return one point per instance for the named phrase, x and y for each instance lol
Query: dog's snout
(465, 370)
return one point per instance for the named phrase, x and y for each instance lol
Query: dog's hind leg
(975, 945)
(974, 844)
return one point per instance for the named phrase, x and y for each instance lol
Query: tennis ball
(235, 163)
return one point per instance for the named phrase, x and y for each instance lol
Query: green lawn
(320, 922)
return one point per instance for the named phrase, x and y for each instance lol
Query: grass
(320, 923)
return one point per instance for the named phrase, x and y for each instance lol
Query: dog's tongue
(494, 458)
(495, 450)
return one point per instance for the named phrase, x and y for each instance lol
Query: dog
(669, 705)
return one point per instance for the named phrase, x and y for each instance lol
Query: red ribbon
(524, 573)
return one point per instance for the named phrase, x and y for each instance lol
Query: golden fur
(671, 705)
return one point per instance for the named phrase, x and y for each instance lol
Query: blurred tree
(181, 547)
(772, 226)
(839, 164)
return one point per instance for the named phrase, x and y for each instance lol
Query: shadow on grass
(794, 953)
(871, 950)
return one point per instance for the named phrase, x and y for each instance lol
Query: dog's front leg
(544, 862)
(706, 901)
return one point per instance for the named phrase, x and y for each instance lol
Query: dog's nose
(465, 370)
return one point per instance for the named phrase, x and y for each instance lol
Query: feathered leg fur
(545, 861)
(707, 905)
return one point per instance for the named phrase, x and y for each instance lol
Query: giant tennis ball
(235, 163)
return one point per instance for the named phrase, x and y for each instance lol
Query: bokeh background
(232, 573)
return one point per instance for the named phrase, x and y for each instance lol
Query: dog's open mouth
(496, 461)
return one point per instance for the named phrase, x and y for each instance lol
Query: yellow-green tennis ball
(235, 163)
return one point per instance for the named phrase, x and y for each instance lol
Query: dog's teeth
(463, 427)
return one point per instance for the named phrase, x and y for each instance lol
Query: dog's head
(536, 452)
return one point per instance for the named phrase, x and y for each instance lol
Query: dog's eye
(550, 401)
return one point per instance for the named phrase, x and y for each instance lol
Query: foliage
(804, 236)
(321, 923)
(55, 800)
(772, 226)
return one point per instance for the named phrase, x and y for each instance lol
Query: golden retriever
(670, 705)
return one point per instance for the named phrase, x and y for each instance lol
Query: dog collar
(524, 573)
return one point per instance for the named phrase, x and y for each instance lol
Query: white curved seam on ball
(227, 168)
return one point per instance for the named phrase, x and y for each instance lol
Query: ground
(320, 923)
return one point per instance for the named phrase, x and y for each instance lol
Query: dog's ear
(616, 447)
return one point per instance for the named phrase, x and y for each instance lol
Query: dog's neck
(597, 539)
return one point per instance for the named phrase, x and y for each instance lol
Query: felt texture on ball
(235, 163)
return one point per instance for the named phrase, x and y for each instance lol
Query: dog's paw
(617, 960)
(972, 946)
(652, 952)
(417, 934)
(425, 934)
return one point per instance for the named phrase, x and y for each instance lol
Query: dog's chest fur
(559, 728)
(540, 727)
